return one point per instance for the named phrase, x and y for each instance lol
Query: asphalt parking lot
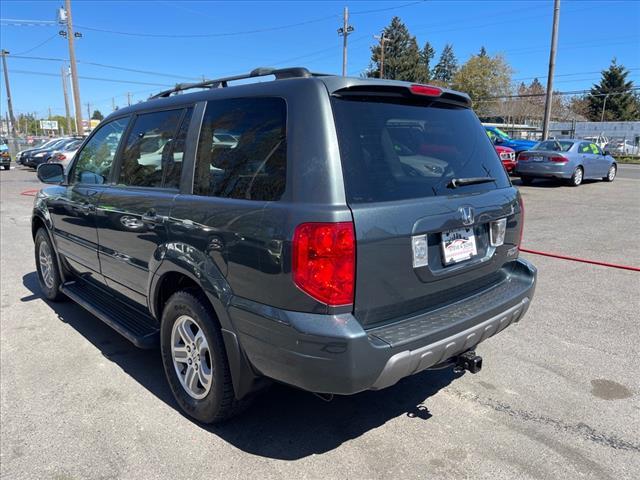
(558, 396)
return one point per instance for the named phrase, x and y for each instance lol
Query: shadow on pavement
(549, 183)
(282, 422)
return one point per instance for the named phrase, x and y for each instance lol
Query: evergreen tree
(426, 56)
(446, 67)
(401, 54)
(621, 103)
(97, 115)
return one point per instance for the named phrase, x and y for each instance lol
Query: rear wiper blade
(461, 182)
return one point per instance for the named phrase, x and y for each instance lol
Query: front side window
(242, 149)
(96, 157)
(153, 152)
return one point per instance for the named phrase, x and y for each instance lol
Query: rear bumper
(544, 170)
(334, 354)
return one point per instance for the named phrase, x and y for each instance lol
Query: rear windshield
(554, 146)
(395, 151)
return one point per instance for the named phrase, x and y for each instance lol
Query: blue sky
(591, 33)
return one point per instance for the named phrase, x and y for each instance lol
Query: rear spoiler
(407, 91)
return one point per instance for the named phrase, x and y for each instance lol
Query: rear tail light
(497, 231)
(559, 159)
(427, 90)
(324, 261)
(522, 157)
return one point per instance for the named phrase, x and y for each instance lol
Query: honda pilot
(333, 234)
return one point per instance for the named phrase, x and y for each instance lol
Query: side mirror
(52, 173)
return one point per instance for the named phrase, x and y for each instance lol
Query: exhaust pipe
(468, 361)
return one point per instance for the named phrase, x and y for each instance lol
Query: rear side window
(554, 146)
(394, 151)
(242, 149)
(153, 152)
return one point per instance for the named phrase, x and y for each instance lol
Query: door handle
(87, 207)
(151, 217)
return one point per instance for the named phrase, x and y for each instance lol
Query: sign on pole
(49, 124)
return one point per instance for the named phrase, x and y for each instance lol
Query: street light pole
(552, 66)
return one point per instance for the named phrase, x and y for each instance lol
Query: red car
(507, 156)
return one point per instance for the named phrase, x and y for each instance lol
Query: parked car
(42, 155)
(571, 160)
(507, 157)
(66, 153)
(380, 240)
(622, 147)
(498, 137)
(5, 156)
(22, 155)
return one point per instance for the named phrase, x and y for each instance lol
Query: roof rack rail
(280, 73)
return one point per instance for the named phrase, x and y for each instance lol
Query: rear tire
(611, 174)
(195, 360)
(526, 180)
(47, 267)
(577, 177)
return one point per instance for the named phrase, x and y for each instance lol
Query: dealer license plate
(458, 245)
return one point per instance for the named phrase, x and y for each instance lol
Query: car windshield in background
(554, 146)
(394, 151)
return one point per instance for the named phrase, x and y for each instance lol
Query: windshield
(554, 146)
(393, 151)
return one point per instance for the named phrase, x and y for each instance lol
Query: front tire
(195, 360)
(47, 267)
(577, 177)
(611, 174)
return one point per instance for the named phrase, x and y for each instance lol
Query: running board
(136, 326)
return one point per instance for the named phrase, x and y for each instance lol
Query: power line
(101, 79)
(208, 35)
(572, 92)
(395, 7)
(38, 45)
(103, 65)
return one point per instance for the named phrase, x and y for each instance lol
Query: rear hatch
(425, 186)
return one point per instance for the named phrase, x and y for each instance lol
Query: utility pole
(383, 40)
(12, 119)
(552, 67)
(345, 31)
(66, 100)
(71, 36)
(49, 117)
(604, 106)
(129, 98)
(89, 112)
(113, 104)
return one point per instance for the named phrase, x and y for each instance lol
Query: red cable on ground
(581, 260)
(30, 193)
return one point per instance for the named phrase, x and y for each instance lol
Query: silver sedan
(569, 160)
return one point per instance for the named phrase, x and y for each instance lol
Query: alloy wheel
(46, 264)
(191, 357)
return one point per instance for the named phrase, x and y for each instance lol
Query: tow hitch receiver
(468, 361)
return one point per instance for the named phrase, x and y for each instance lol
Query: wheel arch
(172, 277)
